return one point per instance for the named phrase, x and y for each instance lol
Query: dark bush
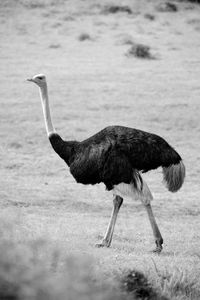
(149, 17)
(84, 37)
(136, 284)
(193, 1)
(140, 51)
(167, 7)
(113, 9)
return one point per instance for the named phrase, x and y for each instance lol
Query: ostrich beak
(30, 79)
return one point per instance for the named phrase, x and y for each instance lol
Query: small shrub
(54, 46)
(33, 4)
(149, 17)
(113, 9)
(84, 37)
(167, 7)
(193, 1)
(136, 284)
(140, 51)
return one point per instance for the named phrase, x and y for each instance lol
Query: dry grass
(177, 284)
(35, 270)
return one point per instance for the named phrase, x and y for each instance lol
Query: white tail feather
(173, 176)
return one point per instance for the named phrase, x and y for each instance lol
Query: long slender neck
(46, 110)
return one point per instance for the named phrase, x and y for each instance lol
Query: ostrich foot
(157, 250)
(158, 246)
(103, 243)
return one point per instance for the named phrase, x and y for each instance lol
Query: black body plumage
(114, 155)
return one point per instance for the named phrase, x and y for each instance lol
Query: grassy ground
(82, 48)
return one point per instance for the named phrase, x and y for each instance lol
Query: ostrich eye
(40, 78)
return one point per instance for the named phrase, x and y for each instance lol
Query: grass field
(50, 223)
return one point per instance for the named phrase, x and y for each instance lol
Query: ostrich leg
(117, 202)
(156, 231)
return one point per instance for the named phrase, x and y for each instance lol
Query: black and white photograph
(99, 152)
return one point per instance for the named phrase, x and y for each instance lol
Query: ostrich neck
(46, 110)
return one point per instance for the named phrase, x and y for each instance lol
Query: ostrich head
(39, 79)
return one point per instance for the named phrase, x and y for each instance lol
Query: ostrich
(117, 156)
